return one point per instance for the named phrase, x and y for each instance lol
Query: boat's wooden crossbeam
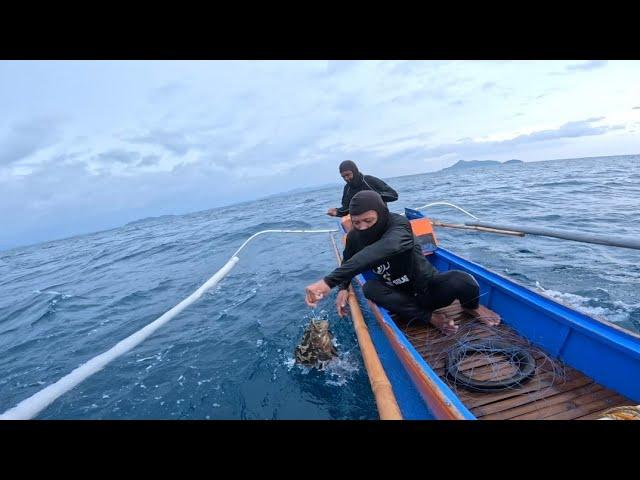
(555, 392)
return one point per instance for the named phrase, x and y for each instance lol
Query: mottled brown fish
(316, 348)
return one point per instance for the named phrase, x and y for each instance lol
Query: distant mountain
(480, 163)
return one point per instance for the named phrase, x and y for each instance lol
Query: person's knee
(468, 289)
(461, 282)
(463, 278)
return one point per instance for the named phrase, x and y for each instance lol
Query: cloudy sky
(90, 145)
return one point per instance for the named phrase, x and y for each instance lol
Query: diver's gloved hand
(342, 302)
(316, 292)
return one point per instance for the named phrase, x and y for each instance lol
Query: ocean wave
(566, 183)
(234, 346)
(612, 311)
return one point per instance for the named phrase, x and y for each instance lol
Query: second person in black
(358, 182)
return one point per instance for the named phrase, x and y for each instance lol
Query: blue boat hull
(607, 354)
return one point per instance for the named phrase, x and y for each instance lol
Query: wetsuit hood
(357, 179)
(363, 202)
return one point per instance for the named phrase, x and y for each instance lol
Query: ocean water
(230, 355)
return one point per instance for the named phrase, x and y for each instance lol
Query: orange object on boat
(423, 230)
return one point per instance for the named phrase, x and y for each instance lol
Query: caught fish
(316, 348)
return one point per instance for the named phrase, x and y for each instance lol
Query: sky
(92, 145)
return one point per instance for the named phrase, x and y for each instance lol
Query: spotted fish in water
(316, 348)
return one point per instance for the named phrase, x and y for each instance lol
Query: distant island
(480, 163)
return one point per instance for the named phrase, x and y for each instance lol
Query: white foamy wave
(290, 362)
(615, 312)
(341, 369)
(317, 316)
(52, 292)
(338, 371)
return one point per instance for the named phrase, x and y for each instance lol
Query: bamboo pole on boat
(625, 242)
(380, 385)
(436, 223)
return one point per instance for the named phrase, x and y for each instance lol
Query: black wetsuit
(406, 283)
(359, 183)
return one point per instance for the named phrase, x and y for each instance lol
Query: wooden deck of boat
(548, 396)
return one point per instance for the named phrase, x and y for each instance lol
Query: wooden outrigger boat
(600, 362)
(410, 379)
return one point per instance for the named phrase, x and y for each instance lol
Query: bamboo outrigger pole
(624, 242)
(380, 385)
(437, 223)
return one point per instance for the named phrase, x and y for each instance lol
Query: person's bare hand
(342, 302)
(316, 292)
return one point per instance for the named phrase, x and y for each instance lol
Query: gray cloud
(118, 155)
(407, 67)
(413, 67)
(496, 89)
(175, 141)
(170, 89)
(581, 128)
(26, 139)
(347, 102)
(149, 160)
(467, 147)
(590, 65)
(39, 209)
(433, 93)
(273, 150)
(582, 67)
(417, 136)
(76, 158)
(546, 93)
(339, 66)
(242, 146)
(413, 97)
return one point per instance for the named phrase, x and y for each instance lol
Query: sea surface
(230, 355)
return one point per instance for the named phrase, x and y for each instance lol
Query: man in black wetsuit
(406, 283)
(358, 182)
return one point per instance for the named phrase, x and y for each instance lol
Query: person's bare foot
(446, 326)
(484, 315)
